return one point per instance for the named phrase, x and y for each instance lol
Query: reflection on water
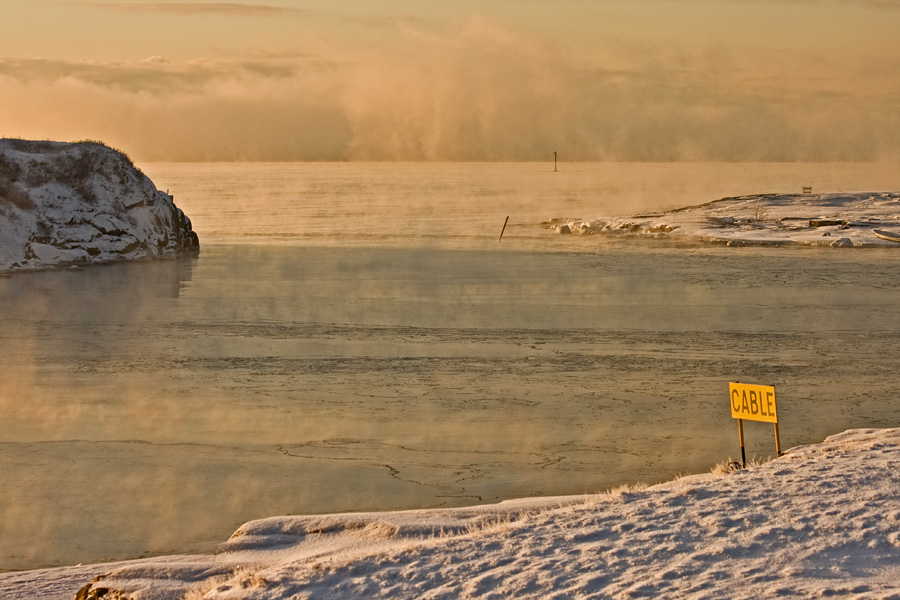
(153, 407)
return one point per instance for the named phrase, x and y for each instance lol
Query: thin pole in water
(504, 229)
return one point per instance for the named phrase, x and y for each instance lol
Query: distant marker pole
(555, 170)
(504, 229)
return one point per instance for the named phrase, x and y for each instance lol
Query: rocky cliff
(82, 203)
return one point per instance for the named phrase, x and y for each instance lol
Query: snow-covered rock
(81, 203)
(840, 220)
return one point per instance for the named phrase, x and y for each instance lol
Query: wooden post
(777, 441)
(555, 170)
(504, 228)
(741, 434)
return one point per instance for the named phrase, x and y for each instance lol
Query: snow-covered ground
(821, 520)
(82, 203)
(839, 219)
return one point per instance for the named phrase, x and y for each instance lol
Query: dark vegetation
(74, 166)
(10, 192)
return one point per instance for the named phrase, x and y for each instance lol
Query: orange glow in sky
(752, 80)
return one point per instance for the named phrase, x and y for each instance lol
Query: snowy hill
(82, 203)
(821, 520)
(837, 219)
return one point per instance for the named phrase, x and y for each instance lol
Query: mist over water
(460, 205)
(354, 337)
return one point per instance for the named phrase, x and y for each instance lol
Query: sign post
(755, 403)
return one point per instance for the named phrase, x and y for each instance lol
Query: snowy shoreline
(822, 519)
(837, 220)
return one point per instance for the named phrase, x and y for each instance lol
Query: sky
(457, 80)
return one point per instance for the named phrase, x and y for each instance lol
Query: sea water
(355, 337)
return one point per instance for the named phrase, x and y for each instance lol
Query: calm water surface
(353, 337)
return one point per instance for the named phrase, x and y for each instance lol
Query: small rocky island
(82, 203)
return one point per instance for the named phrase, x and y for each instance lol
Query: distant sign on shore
(754, 403)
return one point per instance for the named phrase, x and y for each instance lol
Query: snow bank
(821, 520)
(82, 203)
(840, 220)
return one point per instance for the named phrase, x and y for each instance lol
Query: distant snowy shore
(840, 220)
(81, 203)
(821, 520)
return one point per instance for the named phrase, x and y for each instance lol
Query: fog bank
(473, 89)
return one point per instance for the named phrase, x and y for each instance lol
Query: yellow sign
(753, 402)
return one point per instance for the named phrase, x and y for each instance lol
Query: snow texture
(82, 203)
(838, 220)
(821, 520)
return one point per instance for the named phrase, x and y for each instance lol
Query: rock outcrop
(82, 203)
